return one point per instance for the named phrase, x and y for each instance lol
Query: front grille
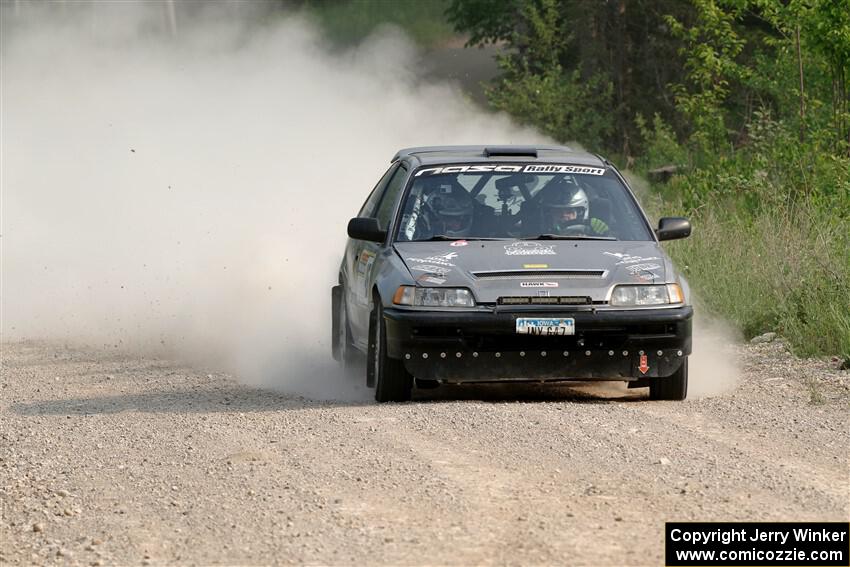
(539, 274)
(529, 300)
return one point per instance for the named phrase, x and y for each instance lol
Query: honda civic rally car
(480, 264)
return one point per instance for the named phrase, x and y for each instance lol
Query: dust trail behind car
(188, 194)
(191, 193)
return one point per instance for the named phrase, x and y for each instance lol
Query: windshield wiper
(446, 237)
(567, 237)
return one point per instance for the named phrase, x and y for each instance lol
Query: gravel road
(109, 458)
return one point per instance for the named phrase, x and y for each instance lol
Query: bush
(771, 243)
(770, 273)
(556, 103)
(347, 23)
(660, 145)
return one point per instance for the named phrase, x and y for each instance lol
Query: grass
(770, 249)
(773, 271)
(816, 397)
(769, 273)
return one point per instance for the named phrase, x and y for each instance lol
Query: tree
(593, 65)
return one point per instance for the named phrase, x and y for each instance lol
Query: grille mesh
(540, 274)
(544, 300)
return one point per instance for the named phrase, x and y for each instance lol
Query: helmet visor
(563, 216)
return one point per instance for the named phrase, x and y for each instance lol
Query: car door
(366, 255)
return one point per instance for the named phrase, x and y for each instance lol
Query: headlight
(634, 295)
(433, 297)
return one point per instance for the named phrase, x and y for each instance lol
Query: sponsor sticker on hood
(441, 259)
(629, 259)
(431, 269)
(529, 248)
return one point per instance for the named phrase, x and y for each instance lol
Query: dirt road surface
(108, 459)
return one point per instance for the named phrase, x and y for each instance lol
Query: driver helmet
(563, 204)
(452, 213)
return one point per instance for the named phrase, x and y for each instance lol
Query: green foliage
(710, 46)
(769, 273)
(660, 145)
(608, 59)
(774, 170)
(349, 22)
(829, 25)
(556, 102)
(487, 21)
(536, 89)
(829, 35)
(704, 66)
(771, 247)
(822, 28)
(748, 98)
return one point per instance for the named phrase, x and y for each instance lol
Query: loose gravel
(108, 458)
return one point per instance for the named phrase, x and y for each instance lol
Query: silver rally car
(476, 264)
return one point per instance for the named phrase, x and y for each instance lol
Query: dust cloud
(713, 367)
(188, 193)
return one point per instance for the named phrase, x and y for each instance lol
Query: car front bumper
(484, 346)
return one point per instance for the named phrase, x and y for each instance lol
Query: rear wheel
(673, 387)
(393, 383)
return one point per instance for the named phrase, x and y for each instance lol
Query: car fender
(391, 273)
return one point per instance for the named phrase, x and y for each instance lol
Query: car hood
(511, 268)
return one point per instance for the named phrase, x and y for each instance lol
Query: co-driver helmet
(562, 204)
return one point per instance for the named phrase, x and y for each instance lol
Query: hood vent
(538, 274)
(510, 151)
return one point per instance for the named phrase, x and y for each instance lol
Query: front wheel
(673, 387)
(393, 383)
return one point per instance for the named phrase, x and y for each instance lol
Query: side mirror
(364, 228)
(671, 228)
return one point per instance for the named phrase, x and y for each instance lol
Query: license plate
(545, 327)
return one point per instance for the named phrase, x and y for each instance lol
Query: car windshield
(519, 201)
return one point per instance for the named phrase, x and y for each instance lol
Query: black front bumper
(484, 345)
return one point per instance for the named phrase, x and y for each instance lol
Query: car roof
(427, 155)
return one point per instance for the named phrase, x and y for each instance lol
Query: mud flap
(336, 295)
(370, 351)
(650, 365)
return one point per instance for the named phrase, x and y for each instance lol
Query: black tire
(343, 349)
(426, 384)
(673, 387)
(393, 383)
